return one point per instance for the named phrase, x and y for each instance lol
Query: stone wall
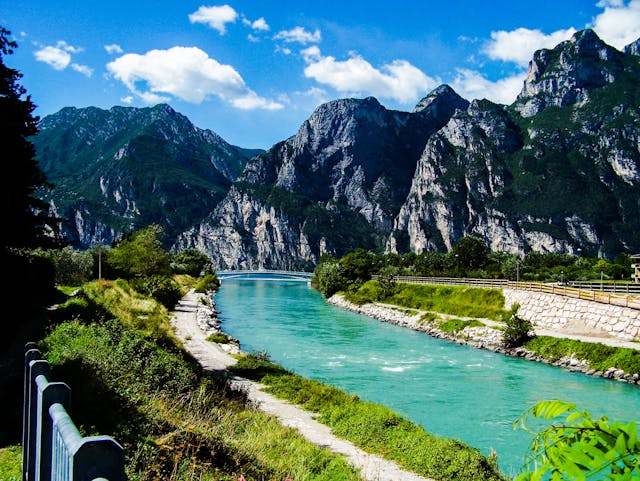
(575, 315)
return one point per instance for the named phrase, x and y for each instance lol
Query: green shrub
(517, 331)
(162, 288)
(208, 283)
(368, 292)
(218, 338)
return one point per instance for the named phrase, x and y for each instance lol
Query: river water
(451, 390)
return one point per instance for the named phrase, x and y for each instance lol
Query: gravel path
(214, 358)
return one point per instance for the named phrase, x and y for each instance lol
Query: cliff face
(558, 170)
(124, 168)
(336, 184)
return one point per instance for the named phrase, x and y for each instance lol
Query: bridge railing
(617, 298)
(53, 449)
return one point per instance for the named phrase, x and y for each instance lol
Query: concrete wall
(575, 315)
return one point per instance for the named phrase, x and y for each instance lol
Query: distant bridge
(265, 275)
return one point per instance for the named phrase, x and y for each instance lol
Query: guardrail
(606, 297)
(53, 449)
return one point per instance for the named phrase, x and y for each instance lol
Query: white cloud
(260, 25)
(215, 17)
(113, 48)
(398, 80)
(127, 100)
(83, 69)
(518, 45)
(474, 85)
(53, 56)
(299, 35)
(187, 73)
(619, 24)
(59, 57)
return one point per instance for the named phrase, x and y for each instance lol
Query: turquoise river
(451, 390)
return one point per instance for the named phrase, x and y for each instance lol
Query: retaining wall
(560, 312)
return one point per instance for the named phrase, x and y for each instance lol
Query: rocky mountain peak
(566, 74)
(633, 48)
(441, 103)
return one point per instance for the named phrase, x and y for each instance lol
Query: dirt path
(213, 358)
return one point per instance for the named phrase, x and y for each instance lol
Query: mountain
(558, 170)
(123, 168)
(337, 184)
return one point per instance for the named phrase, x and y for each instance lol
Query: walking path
(213, 358)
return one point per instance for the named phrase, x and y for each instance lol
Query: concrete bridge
(265, 275)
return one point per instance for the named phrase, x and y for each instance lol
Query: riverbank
(488, 337)
(195, 318)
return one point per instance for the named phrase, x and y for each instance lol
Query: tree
(580, 447)
(470, 253)
(517, 331)
(141, 255)
(192, 262)
(24, 215)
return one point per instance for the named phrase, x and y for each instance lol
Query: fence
(611, 295)
(53, 449)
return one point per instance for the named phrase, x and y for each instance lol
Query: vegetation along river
(451, 390)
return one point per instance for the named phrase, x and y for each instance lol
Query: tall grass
(454, 300)
(174, 422)
(373, 427)
(11, 463)
(599, 356)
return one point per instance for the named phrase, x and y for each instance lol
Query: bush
(208, 283)
(329, 278)
(517, 330)
(162, 288)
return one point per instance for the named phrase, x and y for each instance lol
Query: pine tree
(23, 214)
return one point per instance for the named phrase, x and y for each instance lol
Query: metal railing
(53, 449)
(611, 297)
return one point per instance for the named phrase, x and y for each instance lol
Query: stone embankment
(208, 321)
(570, 314)
(486, 337)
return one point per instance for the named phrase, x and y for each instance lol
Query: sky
(254, 71)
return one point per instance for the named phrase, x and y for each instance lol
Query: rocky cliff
(558, 170)
(120, 169)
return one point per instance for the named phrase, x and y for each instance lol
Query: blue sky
(254, 71)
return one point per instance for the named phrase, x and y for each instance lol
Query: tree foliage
(141, 255)
(192, 262)
(580, 447)
(21, 210)
(517, 331)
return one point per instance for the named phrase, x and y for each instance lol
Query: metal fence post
(31, 354)
(37, 368)
(48, 393)
(84, 458)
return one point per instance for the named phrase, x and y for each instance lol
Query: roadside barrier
(53, 449)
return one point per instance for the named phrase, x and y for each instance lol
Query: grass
(218, 338)
(453, 300)
(457, 325)
(373, 427)
(11, 463)
(599, 356)
(134, 384)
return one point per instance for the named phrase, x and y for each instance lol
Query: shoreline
(479, 337)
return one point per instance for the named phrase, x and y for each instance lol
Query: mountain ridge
(558, 170)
